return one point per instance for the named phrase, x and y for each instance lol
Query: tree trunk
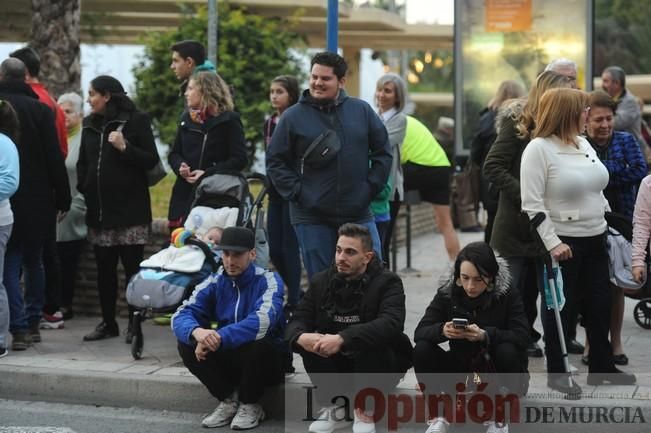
(55, 36)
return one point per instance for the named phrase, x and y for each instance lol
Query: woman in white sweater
(562, 177)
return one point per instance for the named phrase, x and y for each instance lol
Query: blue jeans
(319, 241)
(5, 231)
(27, 257)
(283, 248)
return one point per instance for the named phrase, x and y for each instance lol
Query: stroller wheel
(642, 313)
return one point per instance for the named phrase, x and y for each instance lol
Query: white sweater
(565, 183)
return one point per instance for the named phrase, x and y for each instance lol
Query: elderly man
(628, 116)
(565, 67)
(246, 352)
(329, 157)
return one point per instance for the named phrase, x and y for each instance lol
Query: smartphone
(459, 323)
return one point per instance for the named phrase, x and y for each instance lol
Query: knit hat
(106, 83)
(237, 239)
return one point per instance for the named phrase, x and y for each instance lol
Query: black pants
(379, 369)
(439, 372)
(433, 366)
(585, 284)
(53, 276)
(69, 253)
(525, 276)
(248, 368)
(394, 209)
(107, 273)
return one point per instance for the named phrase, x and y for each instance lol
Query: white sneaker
(495, 427)
(438, 425)
(329, 419)
(363, 423)
(247, 416)
(222, 415)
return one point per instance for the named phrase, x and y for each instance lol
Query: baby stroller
(169, 277)
(620, 226)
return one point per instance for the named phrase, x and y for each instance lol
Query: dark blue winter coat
(342, 190)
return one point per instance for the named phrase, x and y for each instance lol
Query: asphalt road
(40, 417)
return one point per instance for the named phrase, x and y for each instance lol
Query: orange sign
(508, 15)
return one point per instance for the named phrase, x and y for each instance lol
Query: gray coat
(396, 127)
(628, 116)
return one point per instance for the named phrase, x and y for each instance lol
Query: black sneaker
(574, 347)
(534, 351)
(34, 332)
(3, 352)
(21, 341)
(103, 330)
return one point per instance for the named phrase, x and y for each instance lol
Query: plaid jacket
(626, 166)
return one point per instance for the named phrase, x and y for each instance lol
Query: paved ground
(65, 369)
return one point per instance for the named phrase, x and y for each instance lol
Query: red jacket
(59, 116)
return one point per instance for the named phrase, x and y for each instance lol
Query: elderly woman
(71, 230)
(390, 98)
(483, 319)
(209, 138)
(621, 154)
(511, 237)
(562, 177)
(117, 148)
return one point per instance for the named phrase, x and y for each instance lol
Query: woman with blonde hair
(511, 237)
(210, 138)
(563, 178)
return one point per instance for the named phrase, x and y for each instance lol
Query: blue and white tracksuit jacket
(246, 308)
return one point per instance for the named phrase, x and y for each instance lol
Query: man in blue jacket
(246, 352)
(329, 157)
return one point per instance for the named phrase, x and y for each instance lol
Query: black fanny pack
(322, 150)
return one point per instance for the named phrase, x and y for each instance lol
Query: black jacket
(216, 145)
(499, 312)
(43, 187)
(379, 298)
(342, 190)
(114, 183)
(481, 144)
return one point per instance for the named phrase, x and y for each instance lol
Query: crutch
(551, 283)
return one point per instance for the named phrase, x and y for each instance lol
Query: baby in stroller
(168, 277)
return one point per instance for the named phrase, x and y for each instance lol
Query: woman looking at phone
(495, 338)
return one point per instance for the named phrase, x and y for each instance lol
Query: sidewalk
(65, 369)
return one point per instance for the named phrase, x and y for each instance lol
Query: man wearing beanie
(245, 353)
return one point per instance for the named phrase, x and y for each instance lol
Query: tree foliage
(622, 35)
(252, 50)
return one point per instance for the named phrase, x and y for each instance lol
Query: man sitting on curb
(245, 353)
(351, 320)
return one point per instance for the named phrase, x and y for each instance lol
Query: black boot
(102, 331)
(616, 377)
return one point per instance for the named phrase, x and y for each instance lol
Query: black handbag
(154, 174)
(322, 150)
